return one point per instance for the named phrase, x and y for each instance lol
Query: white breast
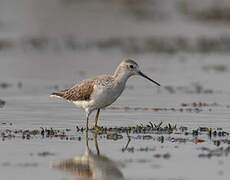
(105, 95)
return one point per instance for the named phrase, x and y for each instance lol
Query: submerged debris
(37, 133)
(193, 88)
(46, 153)
(200, 104)
(149, 132)
(217, 68)
(218, 152)
(114, 136)
(5, 85)
(188, 109)
(164, 156)
(2, 103)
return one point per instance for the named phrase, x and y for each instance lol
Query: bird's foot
(97, 128)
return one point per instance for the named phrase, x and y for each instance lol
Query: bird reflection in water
(90, 165)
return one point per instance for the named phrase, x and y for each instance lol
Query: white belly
(105, 96)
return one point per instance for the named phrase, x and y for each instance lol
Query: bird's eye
(131, 66)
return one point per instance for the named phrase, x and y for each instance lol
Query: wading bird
(101, 91)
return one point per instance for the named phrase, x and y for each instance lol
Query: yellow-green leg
(87, 140)
(96, 119)
(96, 143)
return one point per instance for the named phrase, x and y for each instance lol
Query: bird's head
(130, 68)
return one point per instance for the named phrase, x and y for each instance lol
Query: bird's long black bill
(143, 75)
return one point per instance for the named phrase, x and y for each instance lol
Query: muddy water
(146, 156)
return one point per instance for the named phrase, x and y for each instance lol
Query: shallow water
(30, 107)
(195, 93)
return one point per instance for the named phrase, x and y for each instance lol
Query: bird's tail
(58, 94)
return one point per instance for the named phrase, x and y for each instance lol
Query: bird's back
(84, 90)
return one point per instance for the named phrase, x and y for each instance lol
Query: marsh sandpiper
(101, 91)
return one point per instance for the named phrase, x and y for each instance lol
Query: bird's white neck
(121, 76)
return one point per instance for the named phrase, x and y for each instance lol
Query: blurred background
(48, 45)
(74, 39)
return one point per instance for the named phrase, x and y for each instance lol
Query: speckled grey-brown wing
(80, 92)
